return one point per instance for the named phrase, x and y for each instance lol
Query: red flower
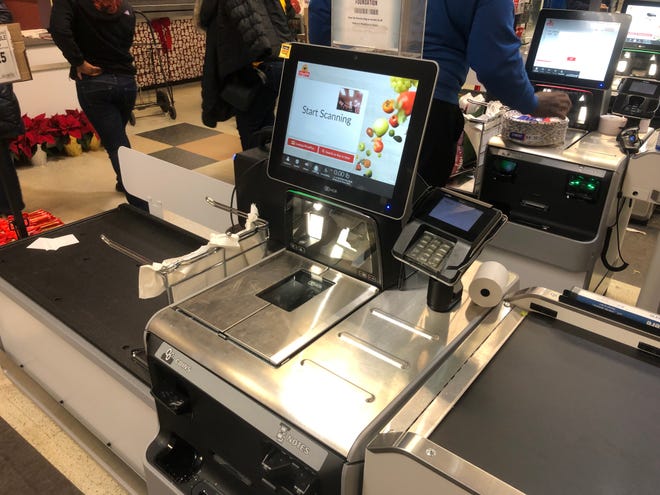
(67, 124)
(53, 132)
(42, 127)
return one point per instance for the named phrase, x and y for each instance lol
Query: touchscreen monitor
(349, 125)
(644, 31)
(576, 48)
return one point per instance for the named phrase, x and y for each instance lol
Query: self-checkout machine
(637, 75)
(642, 182)
(561, 199)
(274, 380)
(641, 52)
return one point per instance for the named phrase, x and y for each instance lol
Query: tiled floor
(76, 187)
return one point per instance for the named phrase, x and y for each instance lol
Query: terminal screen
(348, 126)
(455, 213)
(644, 31)
(575, 49)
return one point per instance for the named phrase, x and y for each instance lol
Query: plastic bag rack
(197, 271)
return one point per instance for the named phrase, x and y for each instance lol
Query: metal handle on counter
(226, 208)
(259, 224)
(165, 269)
(124, 250)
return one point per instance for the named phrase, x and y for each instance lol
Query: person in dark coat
(242, 68)
(11, 126)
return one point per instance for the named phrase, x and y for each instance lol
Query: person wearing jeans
(108, 100)
(95, 36)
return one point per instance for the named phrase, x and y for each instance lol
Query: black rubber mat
(557, 411)
(24, 470)
(92, 288)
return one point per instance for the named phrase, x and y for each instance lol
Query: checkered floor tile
(189, 146)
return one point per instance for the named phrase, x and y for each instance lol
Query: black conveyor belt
(558, 410)
(92, 288)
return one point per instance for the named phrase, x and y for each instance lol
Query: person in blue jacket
(460, 35)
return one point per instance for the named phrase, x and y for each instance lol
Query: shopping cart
(153, 73)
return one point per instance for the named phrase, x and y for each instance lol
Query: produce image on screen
(349, 126)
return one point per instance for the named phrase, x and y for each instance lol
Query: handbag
(241, 87)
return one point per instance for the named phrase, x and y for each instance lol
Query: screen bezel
(628, 45)
(478, 229)
(586, 15)
(425, 71)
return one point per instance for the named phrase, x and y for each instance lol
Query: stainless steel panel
(442, 470)
(234, 308)
(342, 387)
(592, 150)
(223, 305)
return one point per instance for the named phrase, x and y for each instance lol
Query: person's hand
(88, 69)
(552, 104)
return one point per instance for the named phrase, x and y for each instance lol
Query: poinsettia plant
(73, 133)
(68, 129)
(70, 133)
(38, 132)
(90, 139)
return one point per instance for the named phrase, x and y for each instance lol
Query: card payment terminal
(446, 234)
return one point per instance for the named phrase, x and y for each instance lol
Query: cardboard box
(14, 65)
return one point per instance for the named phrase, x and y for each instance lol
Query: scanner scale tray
(278, 306)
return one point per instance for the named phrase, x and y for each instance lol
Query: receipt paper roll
(489, 284)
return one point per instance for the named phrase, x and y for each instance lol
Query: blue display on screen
(455, 213)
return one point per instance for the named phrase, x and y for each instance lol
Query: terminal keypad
(429, 251)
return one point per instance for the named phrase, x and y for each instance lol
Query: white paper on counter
(54, 244)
